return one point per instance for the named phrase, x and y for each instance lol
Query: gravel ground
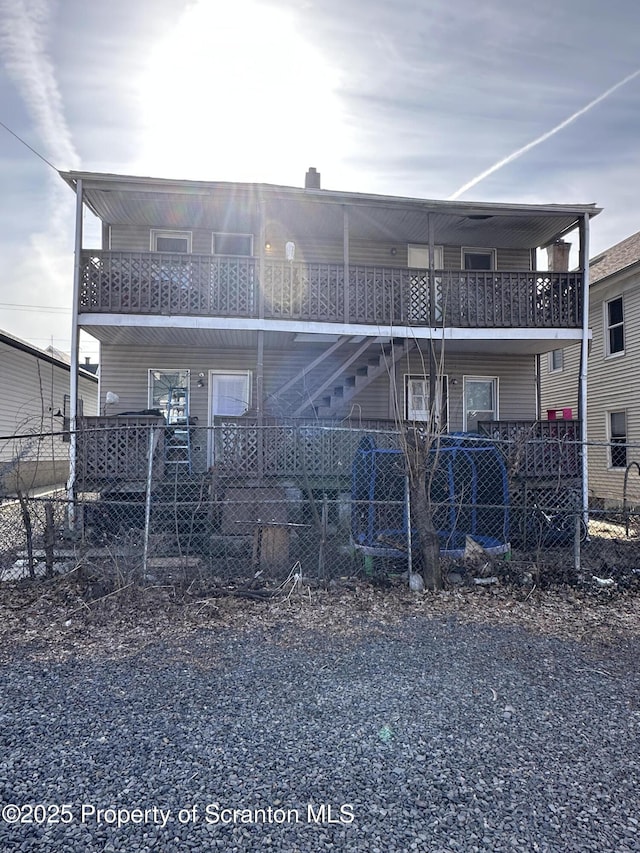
(428, 734)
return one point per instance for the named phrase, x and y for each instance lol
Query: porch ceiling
(489, 342)
(305, 213)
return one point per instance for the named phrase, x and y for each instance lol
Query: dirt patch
(57, 620)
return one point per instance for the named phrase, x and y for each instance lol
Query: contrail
(542, 138)
(23, 37)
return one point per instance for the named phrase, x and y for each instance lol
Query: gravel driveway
(430, 735)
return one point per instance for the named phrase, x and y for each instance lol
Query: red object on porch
(559, 414)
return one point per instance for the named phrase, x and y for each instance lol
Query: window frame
(478, 250)
(466, 380)
(550, 365)
(609, 327)
(443, 393)
(248, 254)
(170, 234)
(614, 440)
(167, 371)
(438, 256)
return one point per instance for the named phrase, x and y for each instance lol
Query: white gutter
(73, 387)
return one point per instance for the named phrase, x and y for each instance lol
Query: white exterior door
(418, 261)
(230, 395)
(480, 401)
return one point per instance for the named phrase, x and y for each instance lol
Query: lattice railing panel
(304, 291)
(116, 449)
(377, 294)
(156, 283)
(539, 449)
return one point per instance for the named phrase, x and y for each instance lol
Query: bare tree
(420, 442)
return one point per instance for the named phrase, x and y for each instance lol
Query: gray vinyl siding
(516, 383)
(361, 252)
(137, 238)
(559, 389)
(125, 371)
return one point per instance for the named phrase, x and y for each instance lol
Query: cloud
(23, 45)
(42, 264)
(543, 138)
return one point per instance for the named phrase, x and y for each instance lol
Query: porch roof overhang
(213, 333)
(153, 202)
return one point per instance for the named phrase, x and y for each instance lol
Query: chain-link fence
(243, 499)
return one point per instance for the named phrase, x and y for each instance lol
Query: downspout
(345, 260)
(584, 355)
(433, 379)
(73, 375)
(262, 230)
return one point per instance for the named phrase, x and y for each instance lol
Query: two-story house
(613, 420)
(219, 302)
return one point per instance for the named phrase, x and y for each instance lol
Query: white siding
(32, 389)
(611, 386)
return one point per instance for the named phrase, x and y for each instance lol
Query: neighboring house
(35, 394)
(613, 368)
(247, 304)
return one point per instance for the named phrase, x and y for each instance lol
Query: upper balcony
(198, 285)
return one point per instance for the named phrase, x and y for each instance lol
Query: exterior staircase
(332, 381)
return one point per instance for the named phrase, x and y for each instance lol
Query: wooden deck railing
(215, 286)
(115, 449)
(293, 448)
(538, 449)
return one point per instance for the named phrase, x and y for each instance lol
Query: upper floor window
(478, 259)
(418, 256)
(556, 360)
(171, 241)
(615, 326)
(232, 244)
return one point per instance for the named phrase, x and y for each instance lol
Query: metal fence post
(407, 492)
(147, 506)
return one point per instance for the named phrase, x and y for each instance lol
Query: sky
(533, 101)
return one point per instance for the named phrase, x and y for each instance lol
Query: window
(417, 406)
(618, 439)
(418, 256)
(163, 385)
(480, 401)
(171, 241)
(233, 244)
(615, 326)
(556, 360)
(478, 259)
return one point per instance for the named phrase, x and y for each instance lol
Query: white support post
(73, 387)
(584, 356)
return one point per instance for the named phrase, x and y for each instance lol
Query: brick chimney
(312, 179)
(558, 256)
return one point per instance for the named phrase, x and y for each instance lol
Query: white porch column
(584, 357)
(75, 333)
